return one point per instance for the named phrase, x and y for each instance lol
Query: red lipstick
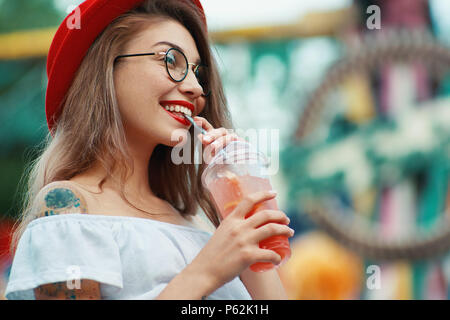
(177, 117)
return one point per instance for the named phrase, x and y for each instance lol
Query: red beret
(70, 44)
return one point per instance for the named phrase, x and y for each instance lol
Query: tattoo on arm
(89, 290)
(61, 200)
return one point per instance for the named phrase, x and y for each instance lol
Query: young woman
(108, 214)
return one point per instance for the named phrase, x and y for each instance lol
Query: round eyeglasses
(177, 67)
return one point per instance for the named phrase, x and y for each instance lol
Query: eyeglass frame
(167, 68)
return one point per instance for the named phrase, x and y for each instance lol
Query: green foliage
(11, 170)
(22, 96)
(28, 14)
(382, 153)
(22, 100)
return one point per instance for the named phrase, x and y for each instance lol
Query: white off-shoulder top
(131, 258)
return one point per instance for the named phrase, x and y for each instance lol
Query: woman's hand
(215, 139)
(235, 244)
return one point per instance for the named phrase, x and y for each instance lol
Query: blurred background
(359, 94)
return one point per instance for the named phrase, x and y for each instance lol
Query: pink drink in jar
(235, 172)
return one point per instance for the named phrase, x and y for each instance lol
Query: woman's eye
(170, 59)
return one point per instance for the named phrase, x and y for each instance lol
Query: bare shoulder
(60, 197)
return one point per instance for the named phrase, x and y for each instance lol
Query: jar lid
(239, 157)
(239, 152)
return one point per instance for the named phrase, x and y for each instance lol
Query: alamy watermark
(74, 20)
(265, 141)
(374, 20)
(373, 281)
(73, 277)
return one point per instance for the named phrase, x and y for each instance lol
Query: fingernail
(272, 192)
(207, 138)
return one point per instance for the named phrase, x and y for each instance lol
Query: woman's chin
(179, 138)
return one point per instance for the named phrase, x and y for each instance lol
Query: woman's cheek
(201, 103)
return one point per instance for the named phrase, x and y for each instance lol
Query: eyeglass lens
(177, 67)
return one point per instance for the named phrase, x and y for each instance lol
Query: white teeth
(179, 109)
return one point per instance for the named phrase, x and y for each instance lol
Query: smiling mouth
(178, 113)
(178, 110)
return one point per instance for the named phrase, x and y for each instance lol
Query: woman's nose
(190, 85)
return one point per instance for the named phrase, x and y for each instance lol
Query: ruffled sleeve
(60, 249)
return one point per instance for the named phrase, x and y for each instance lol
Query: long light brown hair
(90, 128)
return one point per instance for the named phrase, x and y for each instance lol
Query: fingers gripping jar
(236, 171)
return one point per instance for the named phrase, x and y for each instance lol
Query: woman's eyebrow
(173, 45)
